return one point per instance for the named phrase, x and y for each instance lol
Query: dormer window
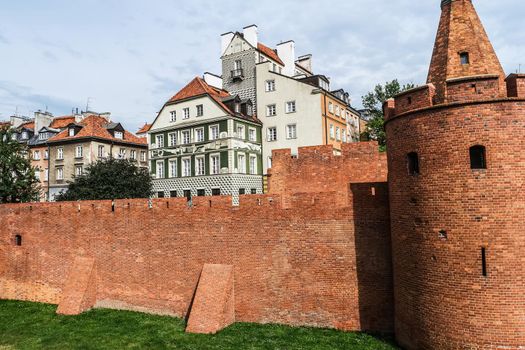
(119, 135)
(71, 132)
(464, 58)
(249, 110)
(237, 108)
(24, 135)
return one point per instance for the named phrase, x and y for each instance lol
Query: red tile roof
(144, 129)
(62, 122)
(95, 126)
(269, 52)
(27, 125)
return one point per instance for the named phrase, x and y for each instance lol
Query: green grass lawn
(36, 326)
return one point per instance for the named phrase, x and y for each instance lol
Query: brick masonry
(322, 260)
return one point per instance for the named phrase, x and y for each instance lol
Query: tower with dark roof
(456, 175)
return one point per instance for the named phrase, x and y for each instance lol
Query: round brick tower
(456, 159)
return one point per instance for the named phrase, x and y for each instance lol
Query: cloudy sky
(129, 57)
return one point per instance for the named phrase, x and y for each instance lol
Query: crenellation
(516, 85)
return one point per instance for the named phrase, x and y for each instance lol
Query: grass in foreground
(36, 326)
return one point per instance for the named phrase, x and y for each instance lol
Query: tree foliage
(373, 101)
(110, 179)
(18, 182)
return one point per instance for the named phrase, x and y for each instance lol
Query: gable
(238, 44)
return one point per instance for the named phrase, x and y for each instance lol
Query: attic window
(237, 108)
(464, 57)
(71, 132)
(119, 135)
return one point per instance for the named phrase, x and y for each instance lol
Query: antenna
(89, 99)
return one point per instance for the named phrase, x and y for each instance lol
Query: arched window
(413, 163)
(18, 240)
(478, 157)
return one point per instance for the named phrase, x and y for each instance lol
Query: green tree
(110, 179)
(373, 101)
(18, 182)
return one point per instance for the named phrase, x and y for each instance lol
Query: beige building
(82, 143)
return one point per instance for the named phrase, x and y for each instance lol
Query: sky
(129, 57)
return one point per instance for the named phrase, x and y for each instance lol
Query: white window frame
(241, 134)
(173, 139)
(142, 156)
(241, 165)
(122, 153)
(200, 110)
(253, 164)
(101, 151)
(186, 113)
(331, 107)
(36, 155)
(332, 132)
(46, 174)
(173, 168)
(46, 154)
(186, 170)
(200, 168)
(271, 110)
(79, 170)
(337, 110)
(79, 152)
(159, 139)
(173, 116)
(160, 171)
(337, 133)
(197, 139)
(60, 173)
(60, 153)
(133, 154)
(215, 166)
(211, 131)
(237, 64)
(184, 140)
(291, 107)
(291, 136)
(252, 134)
(119, 135)
(270, 85)
(71, 132)
(270, 136)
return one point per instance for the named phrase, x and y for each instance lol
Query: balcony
(237, 74)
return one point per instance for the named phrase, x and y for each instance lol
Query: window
(173, 168)
(122, 153)
(413, 163)
(253, 164)
(290, 107)
(46, 154)
(36, 155)
(291, 131)
(160, 169)
(338, 134)
(237, 64)
(484, 261)
(186, 167)
(173, 139)
(464, 58)
(272, 134)
(60, 173)
(215, 163)
(119, 135)
(46, 174)
(160, 141)
(42, 136)
(79, 152)
(241, 163)
(254, 191)
(215, 191)
(79, 170)
(271, 110)
(71, 132)
(143, 156)
(269, 162)
(240, 131)
(337, 111)
(332, 133)
(242, 191)
(173, 116)
(160, 194)
(18, 240)
(173, 194)
(186, 113)
(199, 166)
(133, 155)
(201, 192)
(13, 137)
(330, 107)
(252, 134)
(186, 137)
(344, 135)
(101, 152)
(214, 132)
(200, 110)
(237, 108)
(60, 153)
(37, 174)
(274, 67)
(477, 157)
(270, 85)
(199, 135)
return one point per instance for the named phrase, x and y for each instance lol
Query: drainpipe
(48, 170)
(325, 116)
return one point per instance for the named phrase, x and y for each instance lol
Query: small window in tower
(409, 100)
(413, 163)
(464, 57)
(478, 157)
(18, 240)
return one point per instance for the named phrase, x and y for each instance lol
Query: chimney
(42, 120)
(286, 52)
(226, 39)
(305, 62)
(251, 35)
(213, 80)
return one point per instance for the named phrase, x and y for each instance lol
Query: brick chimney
(462, 48)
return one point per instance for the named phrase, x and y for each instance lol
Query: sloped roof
(62, 122)
(144, 129)
(28, 125)
(269, 52)
(95, 126)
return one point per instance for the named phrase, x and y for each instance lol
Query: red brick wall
(318, 261)
(470, 89)
(442, 300)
